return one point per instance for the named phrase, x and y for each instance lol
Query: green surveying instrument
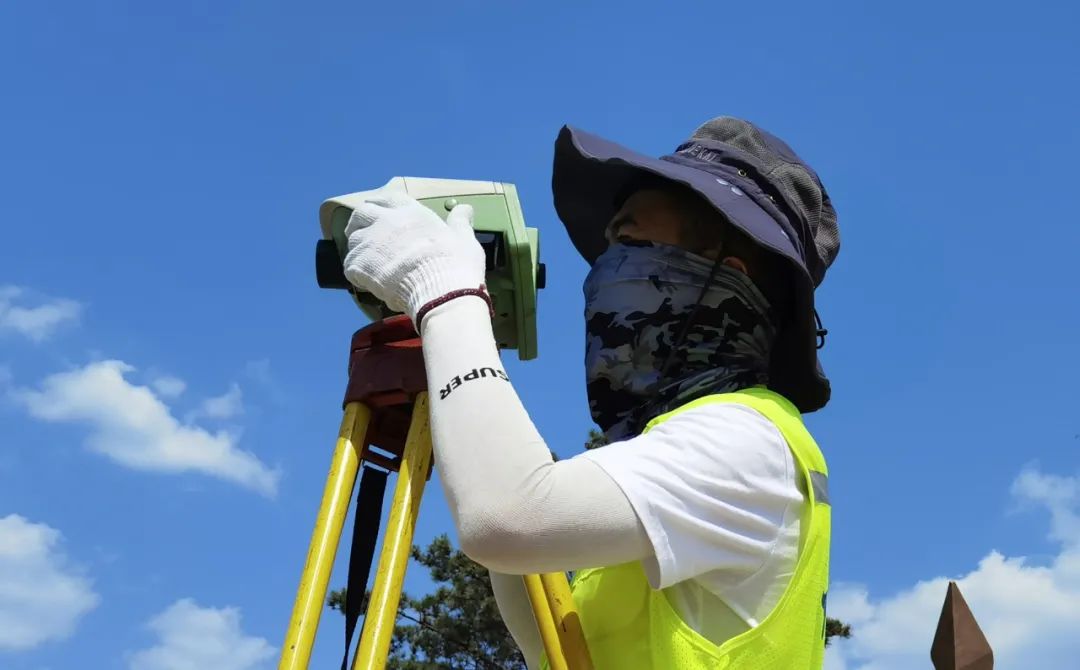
(385, 429)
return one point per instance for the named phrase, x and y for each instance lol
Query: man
(700, 537)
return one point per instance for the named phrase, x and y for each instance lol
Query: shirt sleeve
(516, 510)
(711, 486)
(516, 611)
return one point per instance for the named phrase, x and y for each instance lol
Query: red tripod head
(386, 372)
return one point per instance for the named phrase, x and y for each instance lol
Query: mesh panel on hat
(795, 179)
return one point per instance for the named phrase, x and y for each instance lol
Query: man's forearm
(517, 614)
(516, 510)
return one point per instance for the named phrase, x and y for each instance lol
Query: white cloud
(197, 638)
(168, 386)
(42, 597)
(36, 322)
(132, 426)
(225, 406)
(1029, 611)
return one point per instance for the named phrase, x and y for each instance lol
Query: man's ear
(737, 263)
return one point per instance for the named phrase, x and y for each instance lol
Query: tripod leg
(311, 596)
(567, 624)
(393, 559)
(545, 622)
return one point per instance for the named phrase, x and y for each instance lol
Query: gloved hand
(406, 256)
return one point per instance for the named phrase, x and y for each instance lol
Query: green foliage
(836, 628)
(336, 601)
(457, 626)
(596, 439)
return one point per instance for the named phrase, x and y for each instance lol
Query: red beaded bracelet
(481, 292)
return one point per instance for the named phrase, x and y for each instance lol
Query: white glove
(406, 256)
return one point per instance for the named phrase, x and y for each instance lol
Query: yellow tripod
(386, 410)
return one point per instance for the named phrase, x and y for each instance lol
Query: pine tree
(455, 627)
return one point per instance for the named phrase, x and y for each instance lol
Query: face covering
(639, 298)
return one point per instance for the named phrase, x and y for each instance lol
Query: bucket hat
(761, 187)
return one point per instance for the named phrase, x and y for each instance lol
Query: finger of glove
(460, 220)
(365, 214)
(367, 270)
(363, 266)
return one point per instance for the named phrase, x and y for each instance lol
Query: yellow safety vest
(630, 626)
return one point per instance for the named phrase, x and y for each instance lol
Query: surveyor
(699, 536)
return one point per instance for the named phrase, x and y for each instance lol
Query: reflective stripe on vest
(630, 626)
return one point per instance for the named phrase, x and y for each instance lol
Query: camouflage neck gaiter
(638, 298)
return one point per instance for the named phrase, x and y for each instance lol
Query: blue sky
(170, 375)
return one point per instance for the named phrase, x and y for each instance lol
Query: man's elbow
(498, 538)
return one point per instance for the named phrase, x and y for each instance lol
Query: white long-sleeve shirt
(708, 501)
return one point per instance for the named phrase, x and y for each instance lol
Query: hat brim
(590, 173)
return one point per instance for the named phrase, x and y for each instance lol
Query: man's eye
(617, 228)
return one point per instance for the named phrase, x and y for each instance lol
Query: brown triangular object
(959, 643)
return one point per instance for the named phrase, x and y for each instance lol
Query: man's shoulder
(721, 420)
(722, 442)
